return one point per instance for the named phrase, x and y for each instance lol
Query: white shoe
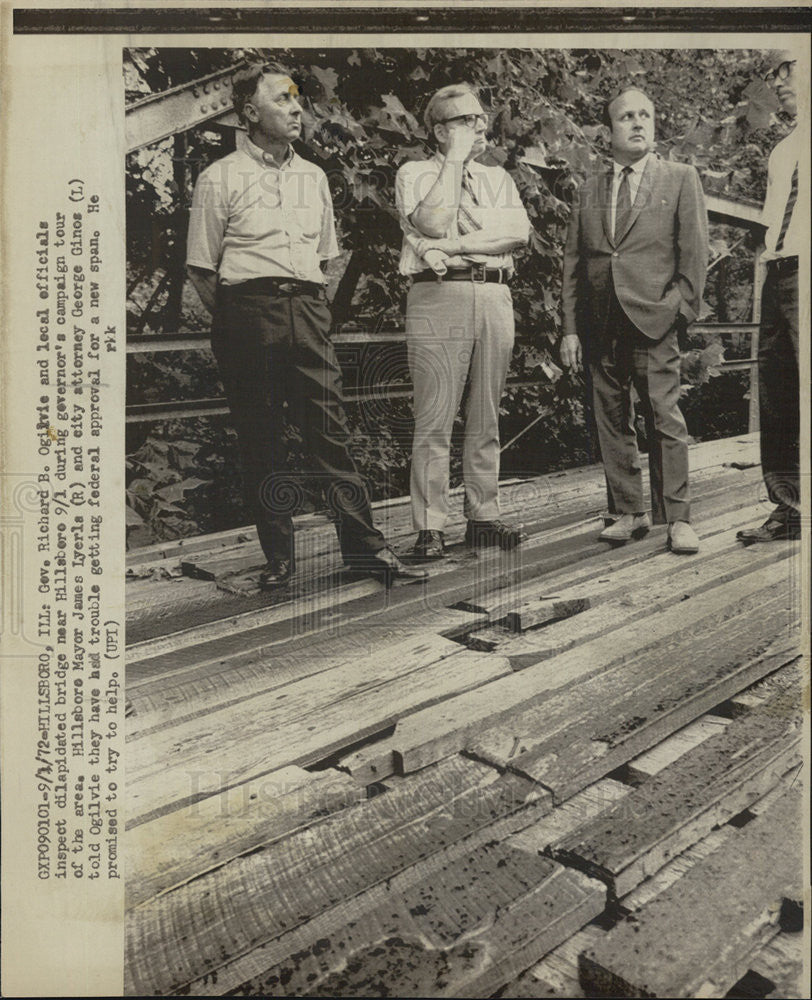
(626, 527)
(682, 538)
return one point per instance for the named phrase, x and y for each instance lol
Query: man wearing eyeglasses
(461, 221)
(260, 226)
(785, 209)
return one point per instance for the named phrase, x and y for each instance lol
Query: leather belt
(478, 274)
(783, 265)
(275, 286)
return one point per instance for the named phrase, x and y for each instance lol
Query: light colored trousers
(454, 327)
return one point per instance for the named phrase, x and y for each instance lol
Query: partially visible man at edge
(461, 221)
(634, 271)
(786, 208)
(261, 224)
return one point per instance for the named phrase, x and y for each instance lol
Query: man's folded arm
(433, 214)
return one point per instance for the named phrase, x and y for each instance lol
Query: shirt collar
(637, 168)
(258, 154)
(471, 166)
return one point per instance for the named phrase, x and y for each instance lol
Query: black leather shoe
(770, 531)
(429, 545)
(481, 533)
(276, 573)
(385, 563)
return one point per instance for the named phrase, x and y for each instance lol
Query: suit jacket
(657, 266)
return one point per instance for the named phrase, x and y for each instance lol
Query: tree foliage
(363, 118)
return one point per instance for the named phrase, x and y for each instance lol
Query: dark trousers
(276, 362)
(778, 392)
(620, 356)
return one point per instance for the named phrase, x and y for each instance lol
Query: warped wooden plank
(426, 736)
(704, 788)
(457, 932)
(630, 595)
(239, 919)
(658, 706)
(567, 594)
(668, 950)
(598, 584)
(185, 844)
(192, 691)
(300, 723)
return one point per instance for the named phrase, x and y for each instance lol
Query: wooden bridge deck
(567, 770)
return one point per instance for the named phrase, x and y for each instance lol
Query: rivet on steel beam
(205, 88)
(216, 85)
(203, 108)
(195, 92)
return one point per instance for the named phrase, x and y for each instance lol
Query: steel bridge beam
(207, 99)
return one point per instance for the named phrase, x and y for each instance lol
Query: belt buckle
(285, 287)
(478, 273)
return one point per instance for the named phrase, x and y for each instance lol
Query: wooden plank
(781, 961)
(671, 749)
(570, 816)
(532, 613)
(628, 594)
(598, 584)
(458, 932)
(556, 975)
(185, 844)
(668, 950)
(568, 593)
(673, 810)
(761, 695)
(658, 712)
(545, 552)
(580, 735)
(428, 735)
(300, 723)
(241, 919)
(192, 691)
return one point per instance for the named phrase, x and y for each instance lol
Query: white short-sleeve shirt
(253, 219)
(499, 207)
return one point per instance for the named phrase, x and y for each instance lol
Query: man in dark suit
(634, 270)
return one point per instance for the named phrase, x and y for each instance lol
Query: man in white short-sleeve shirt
(261, 224)
(461, 222)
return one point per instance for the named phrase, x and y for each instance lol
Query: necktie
(466, 223)
(793, 197)
(623, 208)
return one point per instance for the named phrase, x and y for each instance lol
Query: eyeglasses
(781, 71)
(470, 120)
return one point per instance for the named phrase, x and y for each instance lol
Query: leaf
(762, 102)
(328, 78)
(177, 491)
(131, 518)
(394, 108)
